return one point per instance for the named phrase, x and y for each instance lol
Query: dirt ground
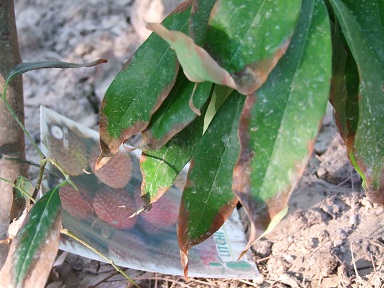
(333, 235)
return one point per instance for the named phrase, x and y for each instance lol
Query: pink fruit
(115, 206)
(117, 172)
(164, 212)
(76, 203)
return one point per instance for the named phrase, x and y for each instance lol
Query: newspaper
(138, 244)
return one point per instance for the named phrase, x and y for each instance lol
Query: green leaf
(344, 88)
(219, 95)
(29, 66)
(362, 24)
(23, 190)
(198, 24)
(160, 167)
(34, 248)
(175, 113)
(248, 37)
(280, 121)
(24, 186)
(139, 89)
(208, 200)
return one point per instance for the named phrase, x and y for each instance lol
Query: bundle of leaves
(238, 89)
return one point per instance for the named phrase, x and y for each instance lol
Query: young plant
(36, 243)
(243, 110)
(279, 62)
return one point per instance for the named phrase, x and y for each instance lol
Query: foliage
(36, 243)
(39, 235)
(283, 59)
(244, 109)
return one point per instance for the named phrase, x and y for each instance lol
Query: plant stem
(44, 159)
(43, 162)
(12, 112)
(110, 261)
(23, 161)
(25, 193)
(11, 136)
(62, 171)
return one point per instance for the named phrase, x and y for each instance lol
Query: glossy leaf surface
(362, 24)
(160, 167)
(247, 38)
(280, 121)
(208, 200)
(175, 113)
(34, 248)
(140, 88)
(201, 9)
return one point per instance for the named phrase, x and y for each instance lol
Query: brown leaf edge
(109, 145)
(185, 243)
(216, 73)
(39, 272)
(262, 214)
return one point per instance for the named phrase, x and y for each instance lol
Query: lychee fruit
(76, 203)
(164, 212)
(115, 206)
(117, 172)
(68, 149)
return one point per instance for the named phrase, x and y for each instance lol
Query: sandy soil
(333, 235)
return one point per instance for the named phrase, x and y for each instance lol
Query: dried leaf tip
(184, 263)
(162, 31)
(198, 65)
(101, 161)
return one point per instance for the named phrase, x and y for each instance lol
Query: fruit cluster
(111, 193)
(115, 206)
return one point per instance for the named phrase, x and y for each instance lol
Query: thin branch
(353, 261)
(43, 162)
(25, 193)
(108, 260)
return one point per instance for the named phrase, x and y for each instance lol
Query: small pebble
(262, 248)
(353, 220)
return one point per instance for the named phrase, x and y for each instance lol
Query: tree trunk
(12, 144)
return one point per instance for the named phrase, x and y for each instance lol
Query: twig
(248, 283)
(106, 278)
(108, 260)
(373, 263)
(43, 162)
(163, 279)
(203, 282)
(22, 161)
(321, 246)
(25, 193)
(349, 178)
(353, 261)
(263, 259)
(377, 243)
(342, 263)
(44, 159)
